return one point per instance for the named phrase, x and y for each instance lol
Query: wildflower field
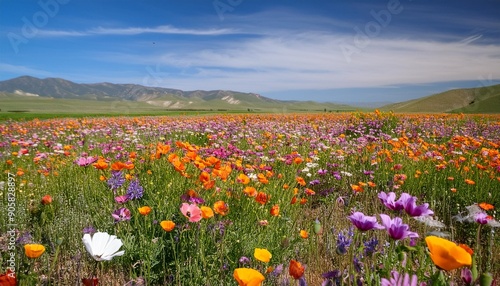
(262, 199)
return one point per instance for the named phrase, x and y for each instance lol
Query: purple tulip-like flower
(413, 210)
(121, 214)
(481, 218)
(389, 200)
(396, 228)
(363, 222)
(466, 275)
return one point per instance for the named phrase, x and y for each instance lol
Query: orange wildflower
(145, 210)
(220, 207)
(46, 200)
(243, 179)
(453, 190)
(262, 255)
(357, 188)
(446, 254)
(298, 160)
(294, 200)
(250, 191)
(248, 277)
(303, 201)
(33, 250)
(275, 210)
(206, 212)
(300, 181)
(296, 269)
(486, 206)
(118, 166)
(309, 192)
(167, 225)
(100, 164)
(262, 178)
(262, 198)
(304, 234)
(469, 182)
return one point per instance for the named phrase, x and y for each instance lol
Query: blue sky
(338, 51)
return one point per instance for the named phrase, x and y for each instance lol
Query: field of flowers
(267, 199)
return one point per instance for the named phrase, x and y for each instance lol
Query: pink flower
(85, 161)
(396, 228)
(191, 211)
(363, 222)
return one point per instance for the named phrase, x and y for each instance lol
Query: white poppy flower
(102, 246)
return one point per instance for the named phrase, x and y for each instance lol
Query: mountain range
(30, 91)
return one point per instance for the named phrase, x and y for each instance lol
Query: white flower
(102, 246)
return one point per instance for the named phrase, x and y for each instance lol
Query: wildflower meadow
(251, 199)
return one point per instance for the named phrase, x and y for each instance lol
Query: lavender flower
(481, 218)
(331, 278)
(116, 180)
(89, 229)
(363, 222)
(396, 228)
(413, 210)
(343, 242)
(370, 246)
(135, 191)
(400, 280)
(244, 260)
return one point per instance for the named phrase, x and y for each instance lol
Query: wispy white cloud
(136, 31)
(23, 70)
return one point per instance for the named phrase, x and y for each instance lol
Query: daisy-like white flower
(102, 246)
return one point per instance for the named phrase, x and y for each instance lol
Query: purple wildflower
(481, 218)
(363, 222)
(389, 200)
(466, 275)
(331, 278)
(89, 229)
(400, 280)
(277, 270)
(121, 199)
(370, 246)
(135, 190)
(314, 182)
(85, 161)
(25, 238)
(116, 180)
(244, 260)
(121, 214)
(396, 228)
(413, 210)
(343, 242)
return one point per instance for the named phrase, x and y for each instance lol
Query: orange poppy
(300, 181)
(220, 207)
(145, 210)
(8, 278)
(262, 255)
(100, 164)
(486, 206)
(242, 178)
(262, 198)
(248, 277)
(446, 254)
(262, 178)
(206, 212)
(167, 225)
(46, 200)
(469, 182)
(296, 269)
(250, 191)
(275, 210)
(34, 250)
(304, 234)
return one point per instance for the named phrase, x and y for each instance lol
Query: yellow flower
(206, 212)
(262, 254)
(446, 254)
(145, 210)
(34, 250)
(167, 225)
(248, 277)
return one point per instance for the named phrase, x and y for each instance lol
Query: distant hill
(156, 97)
(467, 100)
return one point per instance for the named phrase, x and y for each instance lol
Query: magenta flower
(481, 218)
(389, 200)
(121, 199)
(413, 210)
(121, 214)
(85, 161)
(191, 211)
(396, 228)
(363, 222)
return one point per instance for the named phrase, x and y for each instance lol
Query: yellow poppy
(446, 254)
(262, 254)
(34, 250)
(248, 277)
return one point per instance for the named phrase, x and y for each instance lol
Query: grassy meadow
(250, 199)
